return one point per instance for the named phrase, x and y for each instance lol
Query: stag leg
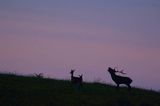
(117, 87)
(129, 87)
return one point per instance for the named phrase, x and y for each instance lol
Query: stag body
(120, 79)
(76, 80)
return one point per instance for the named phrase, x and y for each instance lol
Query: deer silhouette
(76, 80)
(119, 79)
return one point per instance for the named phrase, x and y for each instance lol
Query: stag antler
(121, 72)
(115, 68)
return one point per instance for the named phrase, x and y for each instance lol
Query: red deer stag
(120, 79)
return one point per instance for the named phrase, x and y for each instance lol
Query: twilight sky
(54, 36)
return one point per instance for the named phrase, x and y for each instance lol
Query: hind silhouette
(76, 80)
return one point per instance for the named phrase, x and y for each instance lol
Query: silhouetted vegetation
(31, 91)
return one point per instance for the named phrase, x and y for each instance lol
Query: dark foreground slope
(31, 91)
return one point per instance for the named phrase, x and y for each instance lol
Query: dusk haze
(54, 36)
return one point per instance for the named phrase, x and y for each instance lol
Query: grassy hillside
(31, 91)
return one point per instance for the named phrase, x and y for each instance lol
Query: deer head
(80, 76)
(72, 71)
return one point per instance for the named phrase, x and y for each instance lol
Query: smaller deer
(76, 80)
(120, 79)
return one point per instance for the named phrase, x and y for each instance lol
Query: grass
(16, 90)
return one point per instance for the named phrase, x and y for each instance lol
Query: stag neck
(112, 74)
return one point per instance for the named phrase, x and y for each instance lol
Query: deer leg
(81, 84)
(129, 87)
(117, 87)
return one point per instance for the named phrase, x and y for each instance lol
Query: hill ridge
(18, 90)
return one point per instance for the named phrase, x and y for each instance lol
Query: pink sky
(53, 37)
